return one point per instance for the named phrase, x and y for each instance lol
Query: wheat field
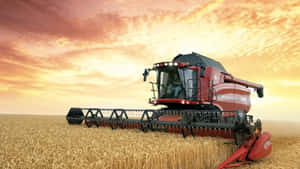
(36, 142)
(49, 142)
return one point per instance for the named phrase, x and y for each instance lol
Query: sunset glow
(57, 54)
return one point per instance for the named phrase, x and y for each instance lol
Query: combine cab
(201, 99)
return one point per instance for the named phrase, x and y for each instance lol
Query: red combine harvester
(201, 99)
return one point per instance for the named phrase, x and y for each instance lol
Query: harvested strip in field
(49, 142)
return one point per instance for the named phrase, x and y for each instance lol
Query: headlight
(170, 64)
(175, 64)
(166, 64)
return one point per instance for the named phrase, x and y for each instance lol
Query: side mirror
(146, 73)
(260, 92)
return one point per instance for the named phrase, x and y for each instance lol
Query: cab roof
(199, 60)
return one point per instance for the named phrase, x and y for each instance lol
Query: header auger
(201, 99)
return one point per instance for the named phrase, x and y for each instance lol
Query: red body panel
(262, 147)
(230, 96)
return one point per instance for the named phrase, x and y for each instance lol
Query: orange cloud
(37, 18)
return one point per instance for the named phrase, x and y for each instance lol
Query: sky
(58, 54)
